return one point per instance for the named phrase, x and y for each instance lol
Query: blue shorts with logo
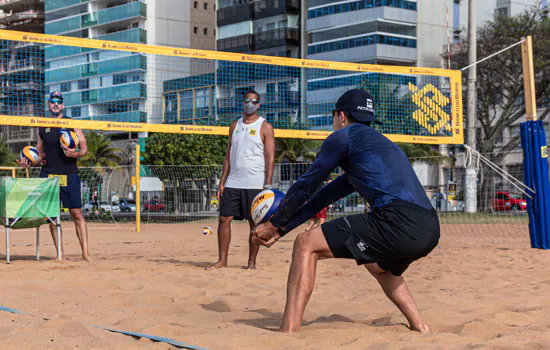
(71, 194)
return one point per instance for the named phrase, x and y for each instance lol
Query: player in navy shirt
(402, 226)
(60, 161)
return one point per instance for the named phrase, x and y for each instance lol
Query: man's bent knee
(376, 271)
(313, 241)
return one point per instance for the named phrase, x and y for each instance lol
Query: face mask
(250, 108)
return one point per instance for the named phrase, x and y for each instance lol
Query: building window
(83, 84)
(76, 112)
(206, 6)
(196, 4)
(65, 87)
(195, 29)
(205, 31)
(119, 79)
(503, 11)
(214, 32)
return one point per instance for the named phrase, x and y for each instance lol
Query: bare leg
(53, 231)
(312, 222)
(81, 232)
(397, 291)
(224, 239)
(309, 247)
(321, 221)
(253, 249)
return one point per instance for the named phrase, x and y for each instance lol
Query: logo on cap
(369, 107)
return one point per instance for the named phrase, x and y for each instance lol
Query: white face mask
(250, 108)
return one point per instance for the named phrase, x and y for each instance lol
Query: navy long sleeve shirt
(374, 166)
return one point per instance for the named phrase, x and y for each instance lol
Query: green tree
(101, 155)
(204, 152)
(101, 152)
(500, 87)
(6, 157)
(291, 150)
(422, 153)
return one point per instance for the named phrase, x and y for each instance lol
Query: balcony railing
(136, 35)
(19, 135)
(51, 5)
(277, 37)
(108, 15)
(235, 14)
(240, 43)
(268, 8)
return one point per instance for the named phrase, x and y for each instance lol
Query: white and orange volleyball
(69, 139)
(265, 204)
(207, 231)
(31, 154)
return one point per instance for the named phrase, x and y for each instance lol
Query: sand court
(473, 292)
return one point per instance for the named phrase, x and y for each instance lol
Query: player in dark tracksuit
(401, 228)
(61, 162)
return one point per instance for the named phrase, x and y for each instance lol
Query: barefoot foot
(217, 265)
(421, 328)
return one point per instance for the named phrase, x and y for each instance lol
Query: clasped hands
(265, 234)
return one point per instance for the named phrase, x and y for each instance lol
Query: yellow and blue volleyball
(207, 231)
(30, 153)
(69, 139)
(265, 204)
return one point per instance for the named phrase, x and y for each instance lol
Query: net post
(529, 79)
(138, 193)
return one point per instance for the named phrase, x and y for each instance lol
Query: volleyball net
(132, 87)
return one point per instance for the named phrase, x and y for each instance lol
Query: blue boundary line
(133, 334)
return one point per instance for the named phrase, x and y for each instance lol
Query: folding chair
(29, 203)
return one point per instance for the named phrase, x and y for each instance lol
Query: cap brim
(365, 117)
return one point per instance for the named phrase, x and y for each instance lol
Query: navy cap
(359, 104)
(56, 94)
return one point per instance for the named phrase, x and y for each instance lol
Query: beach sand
(475, 292)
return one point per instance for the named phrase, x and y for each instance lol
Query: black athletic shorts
(237, 202)
(393, 236)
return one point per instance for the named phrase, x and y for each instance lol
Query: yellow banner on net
(430, 102)
(190, 129)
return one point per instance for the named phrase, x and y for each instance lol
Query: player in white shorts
(247, 170)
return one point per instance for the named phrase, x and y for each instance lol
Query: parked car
(154, 205)
(504, 201)
(127, 205)
(102, 205)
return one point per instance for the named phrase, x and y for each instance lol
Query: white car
(103, 205)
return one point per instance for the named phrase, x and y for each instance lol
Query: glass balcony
(64, 25)
(51, 5)
(136, 35)
(123, 92)
(123, 64)
(119, 13)
(126, 117)
(113, 14)
(102, 67)
(56, 51)
(113, 93)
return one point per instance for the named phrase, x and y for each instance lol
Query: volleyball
(30, 153)
(265, 204)
(207, 231)
(69, 139)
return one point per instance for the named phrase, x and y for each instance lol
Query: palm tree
(422, 153)
(101, 154)
(293, 149)
(6, 157)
